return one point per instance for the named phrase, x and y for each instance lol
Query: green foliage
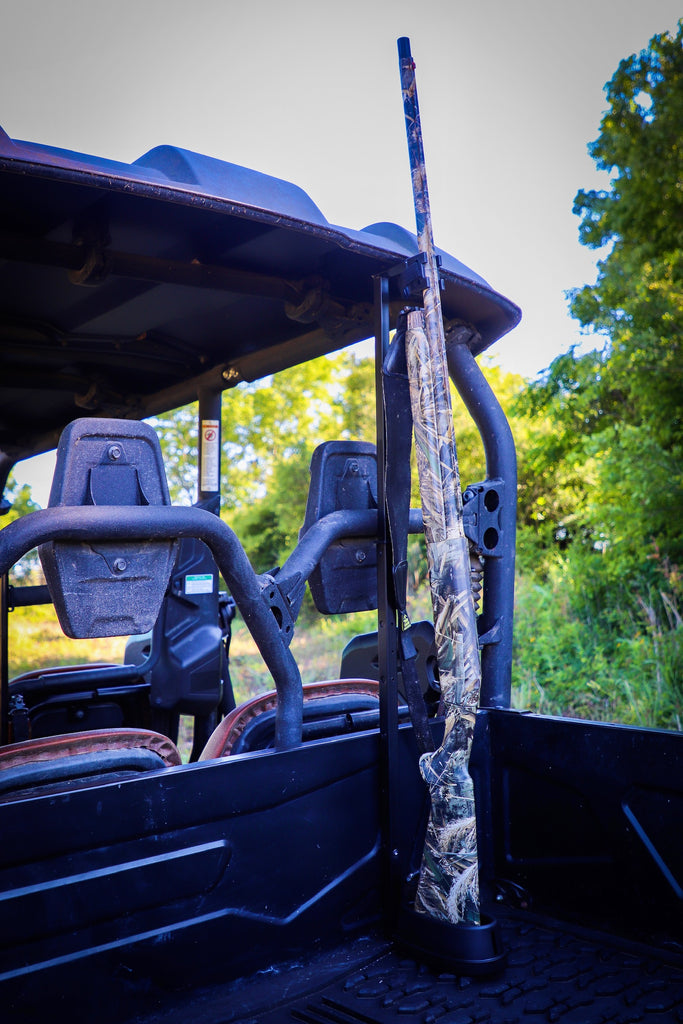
(613, 460)
(269, 421)
(180, 444)
(270, 430)
(598, 628)
(269, 528)
(357, 399)
(640, 142)
(471, 460)
(572, 661)
(21, 503)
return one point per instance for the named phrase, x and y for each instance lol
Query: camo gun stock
(448, 885)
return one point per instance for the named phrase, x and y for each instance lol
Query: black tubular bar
(26, 597)
(302, 561)
(96, 681)
(387, 631)
(315, 542)
(92, 523)
(499, 574)
(332, 527)
(44, 252)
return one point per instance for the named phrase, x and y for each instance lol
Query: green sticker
(200, 584)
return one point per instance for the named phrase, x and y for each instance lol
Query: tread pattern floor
(551, 976)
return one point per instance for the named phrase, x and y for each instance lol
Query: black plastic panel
(588, 820)
(130, 894)
(343, 478)
(197, 873)
(108, 588)
(186, 678)
(360, 660)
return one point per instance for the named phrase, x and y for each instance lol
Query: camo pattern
(448, 887)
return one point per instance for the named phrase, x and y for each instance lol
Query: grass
(569, 662)
(317, 648)
(36, 641)
(563, 663)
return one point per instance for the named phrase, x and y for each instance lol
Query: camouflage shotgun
(448, 886)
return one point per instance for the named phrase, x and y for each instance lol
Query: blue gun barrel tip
(404, 47)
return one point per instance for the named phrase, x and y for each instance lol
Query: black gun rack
(459, 948)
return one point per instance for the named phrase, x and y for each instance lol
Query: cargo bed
(581, 861)
(554, 972)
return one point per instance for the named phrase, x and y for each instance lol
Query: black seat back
(110, 588)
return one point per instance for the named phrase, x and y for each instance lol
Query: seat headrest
(108, 588)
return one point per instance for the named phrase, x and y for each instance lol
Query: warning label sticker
(210, 469)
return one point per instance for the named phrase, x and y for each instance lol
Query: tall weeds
(576, 656)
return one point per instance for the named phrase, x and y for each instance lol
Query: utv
(271, 878)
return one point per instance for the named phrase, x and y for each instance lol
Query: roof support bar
(495, 626)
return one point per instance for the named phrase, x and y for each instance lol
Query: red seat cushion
(227, 732)
(49, 748)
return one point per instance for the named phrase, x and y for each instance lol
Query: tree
(263, 422)
(179, 440)
(617, 412)
(279, 423)
(21, 503)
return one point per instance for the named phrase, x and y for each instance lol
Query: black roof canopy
(125, 287)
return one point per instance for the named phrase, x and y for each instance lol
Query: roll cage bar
(270, 605)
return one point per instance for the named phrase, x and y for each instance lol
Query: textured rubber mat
(551, 975)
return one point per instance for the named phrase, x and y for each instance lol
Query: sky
(510, 93)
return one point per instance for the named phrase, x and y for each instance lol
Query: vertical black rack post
(387, 631)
